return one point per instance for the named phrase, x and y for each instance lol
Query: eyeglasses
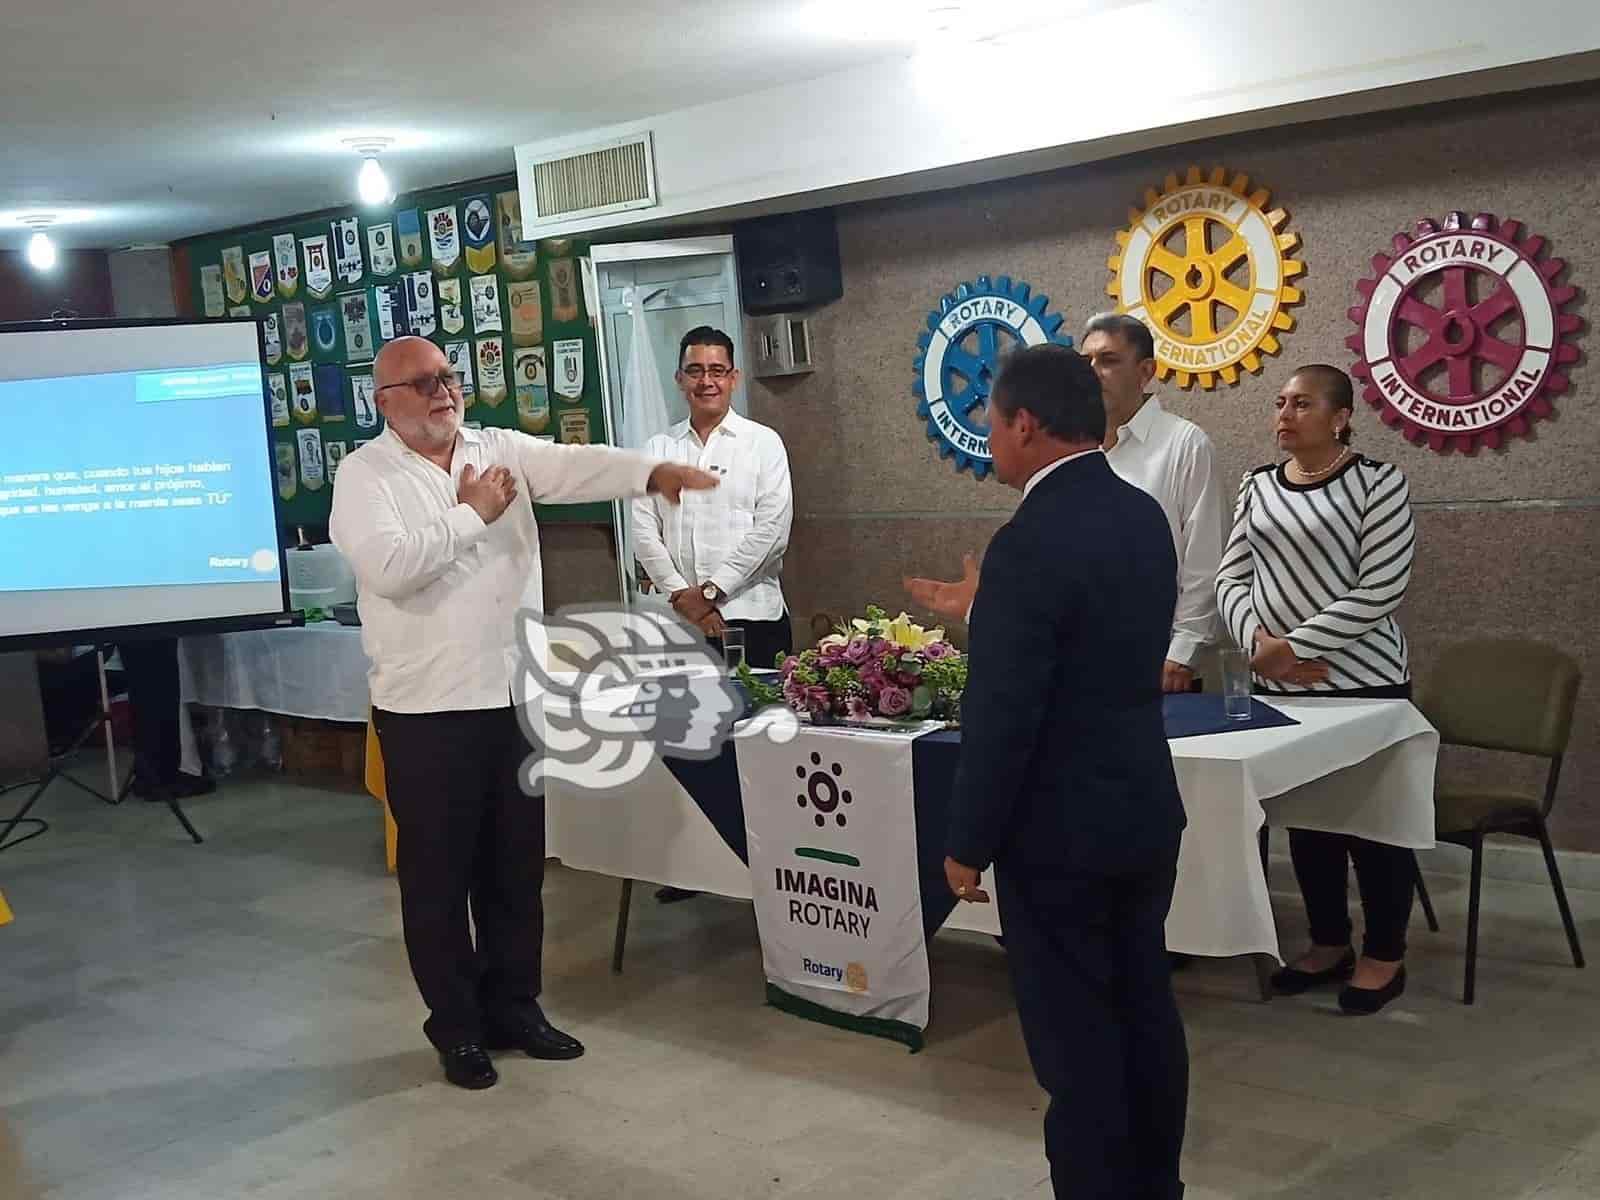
(428, 386)
(714, 371)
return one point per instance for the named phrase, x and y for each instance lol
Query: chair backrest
(1503, 694)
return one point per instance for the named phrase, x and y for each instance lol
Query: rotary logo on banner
(444, 238)
(272, 335)
(419, 304)
(324, 329)
(287, 257)
(302, 393)
(460, 356)
(527, 320)
(357, 326)
(347, 249)
(486, 304)
(380, 248)
(834, 878)
(519, 257)
(409, 230)
(233, 276)
(569, 368)
(491, 371)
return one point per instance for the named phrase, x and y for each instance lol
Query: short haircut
(1334, 385)
(1130, 329)
(705, 335)
(1058, 386)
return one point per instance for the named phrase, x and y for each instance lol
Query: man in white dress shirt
(437, 523)
(718, 556)
(1166, 456)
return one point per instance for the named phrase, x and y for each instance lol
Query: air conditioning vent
(591, 181)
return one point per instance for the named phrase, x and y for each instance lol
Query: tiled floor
(236, 1019)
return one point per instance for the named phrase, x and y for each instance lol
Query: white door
(682, 284)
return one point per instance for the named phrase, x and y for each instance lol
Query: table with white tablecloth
(317, 671)
(1362, 767)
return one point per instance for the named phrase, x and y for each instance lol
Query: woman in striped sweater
(1319, 560)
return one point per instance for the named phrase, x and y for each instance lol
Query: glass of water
(733, 648)
(1236, 679)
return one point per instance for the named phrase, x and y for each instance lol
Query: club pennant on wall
(324, 329)
(335, 452)
(294, 330)
(533, 391)
(491, 371)
(211, 290)
(283, 453)
(486, 304)
(302, 393)
(233, 276)
(310, 441)
(517, 256)
(419, 304)
(444, 239)
(329, 382)
(477, 229)
(285, 253)
(278, 399)
(451, 317)
(347, 249)
(460, 356)
(261, 277)
(358, 345)
(272, 335)
(409, 230)
(563, 290)
(364, 391)
(575, 428)
(569, 368)
(319, 270)
(380, 248)
(391, 310)
(527, 319)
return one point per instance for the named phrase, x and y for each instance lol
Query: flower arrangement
(874, 669)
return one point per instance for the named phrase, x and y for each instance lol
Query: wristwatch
(711, 592)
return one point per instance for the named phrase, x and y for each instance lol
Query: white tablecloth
(1362, 767)
(317, 671)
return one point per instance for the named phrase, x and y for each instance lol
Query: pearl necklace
(1309, 476)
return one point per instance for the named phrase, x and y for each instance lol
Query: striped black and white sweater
(1324, 565)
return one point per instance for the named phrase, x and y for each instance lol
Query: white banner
(569, 368)
(833, 871)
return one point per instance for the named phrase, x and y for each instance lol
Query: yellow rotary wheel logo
(1206, 266)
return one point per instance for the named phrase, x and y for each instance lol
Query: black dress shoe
(1290, 982)
(185, 785)
(467, 1066)
(1366, 1001)
(533, 1035)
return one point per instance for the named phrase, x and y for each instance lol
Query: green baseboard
(896, 1031)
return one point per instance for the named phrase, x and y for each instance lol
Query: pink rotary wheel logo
(1462, 337)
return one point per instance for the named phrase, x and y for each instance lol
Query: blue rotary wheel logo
(973, 328)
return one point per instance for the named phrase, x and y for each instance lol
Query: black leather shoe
(533, 1035)
(1290, 982)
(185, 785)
(1366, 1001)
(467, 1066)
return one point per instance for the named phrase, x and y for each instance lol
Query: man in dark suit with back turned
(1066, 782)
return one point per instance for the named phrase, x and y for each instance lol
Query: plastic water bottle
(223, 753)
(271, 744)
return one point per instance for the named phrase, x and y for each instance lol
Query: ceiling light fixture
(41, 250)
(372, 183)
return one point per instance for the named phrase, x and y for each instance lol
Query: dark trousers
(1385, 875)
(150, 671)
(1094, 992)
(466, 833)
(763, 641)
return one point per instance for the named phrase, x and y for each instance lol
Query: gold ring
(962, 890)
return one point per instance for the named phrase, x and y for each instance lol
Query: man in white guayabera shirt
(437, 523)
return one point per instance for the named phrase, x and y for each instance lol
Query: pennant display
(272, 334)
(380, 248)
(310, 458)
(563, 290)
(486, 304)
(294, 330)
(302, 393)
(328, 382)
(527, 317)
(409, 230)
(358, 345)
(335, 452)
(278, 399)
(419, 304)
(444, 239)
(319, 270)
(451, 318)
(233, 276)
(460, 356)
(391, 310)
(324, 329)
(491, 371)
(575, 428)
(518, 257)
(261, 277)
(288, 259)
(569, 368)
(211, 289)
(477, 231)
(284, 453)
(533, 393)
(364, 391)
(347, 249)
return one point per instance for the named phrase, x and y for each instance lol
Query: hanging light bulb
(41, 251)
(372, 182)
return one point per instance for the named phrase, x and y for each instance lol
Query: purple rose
(934, 651)
(831, 656)
(789, 664)
(876, 646)
(894, 701)
(857, 651)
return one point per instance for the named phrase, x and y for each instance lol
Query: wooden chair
(1512, 696)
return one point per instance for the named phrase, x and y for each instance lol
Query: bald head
(411, 374)
(406, 358)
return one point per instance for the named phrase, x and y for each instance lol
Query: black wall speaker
(788, 263)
